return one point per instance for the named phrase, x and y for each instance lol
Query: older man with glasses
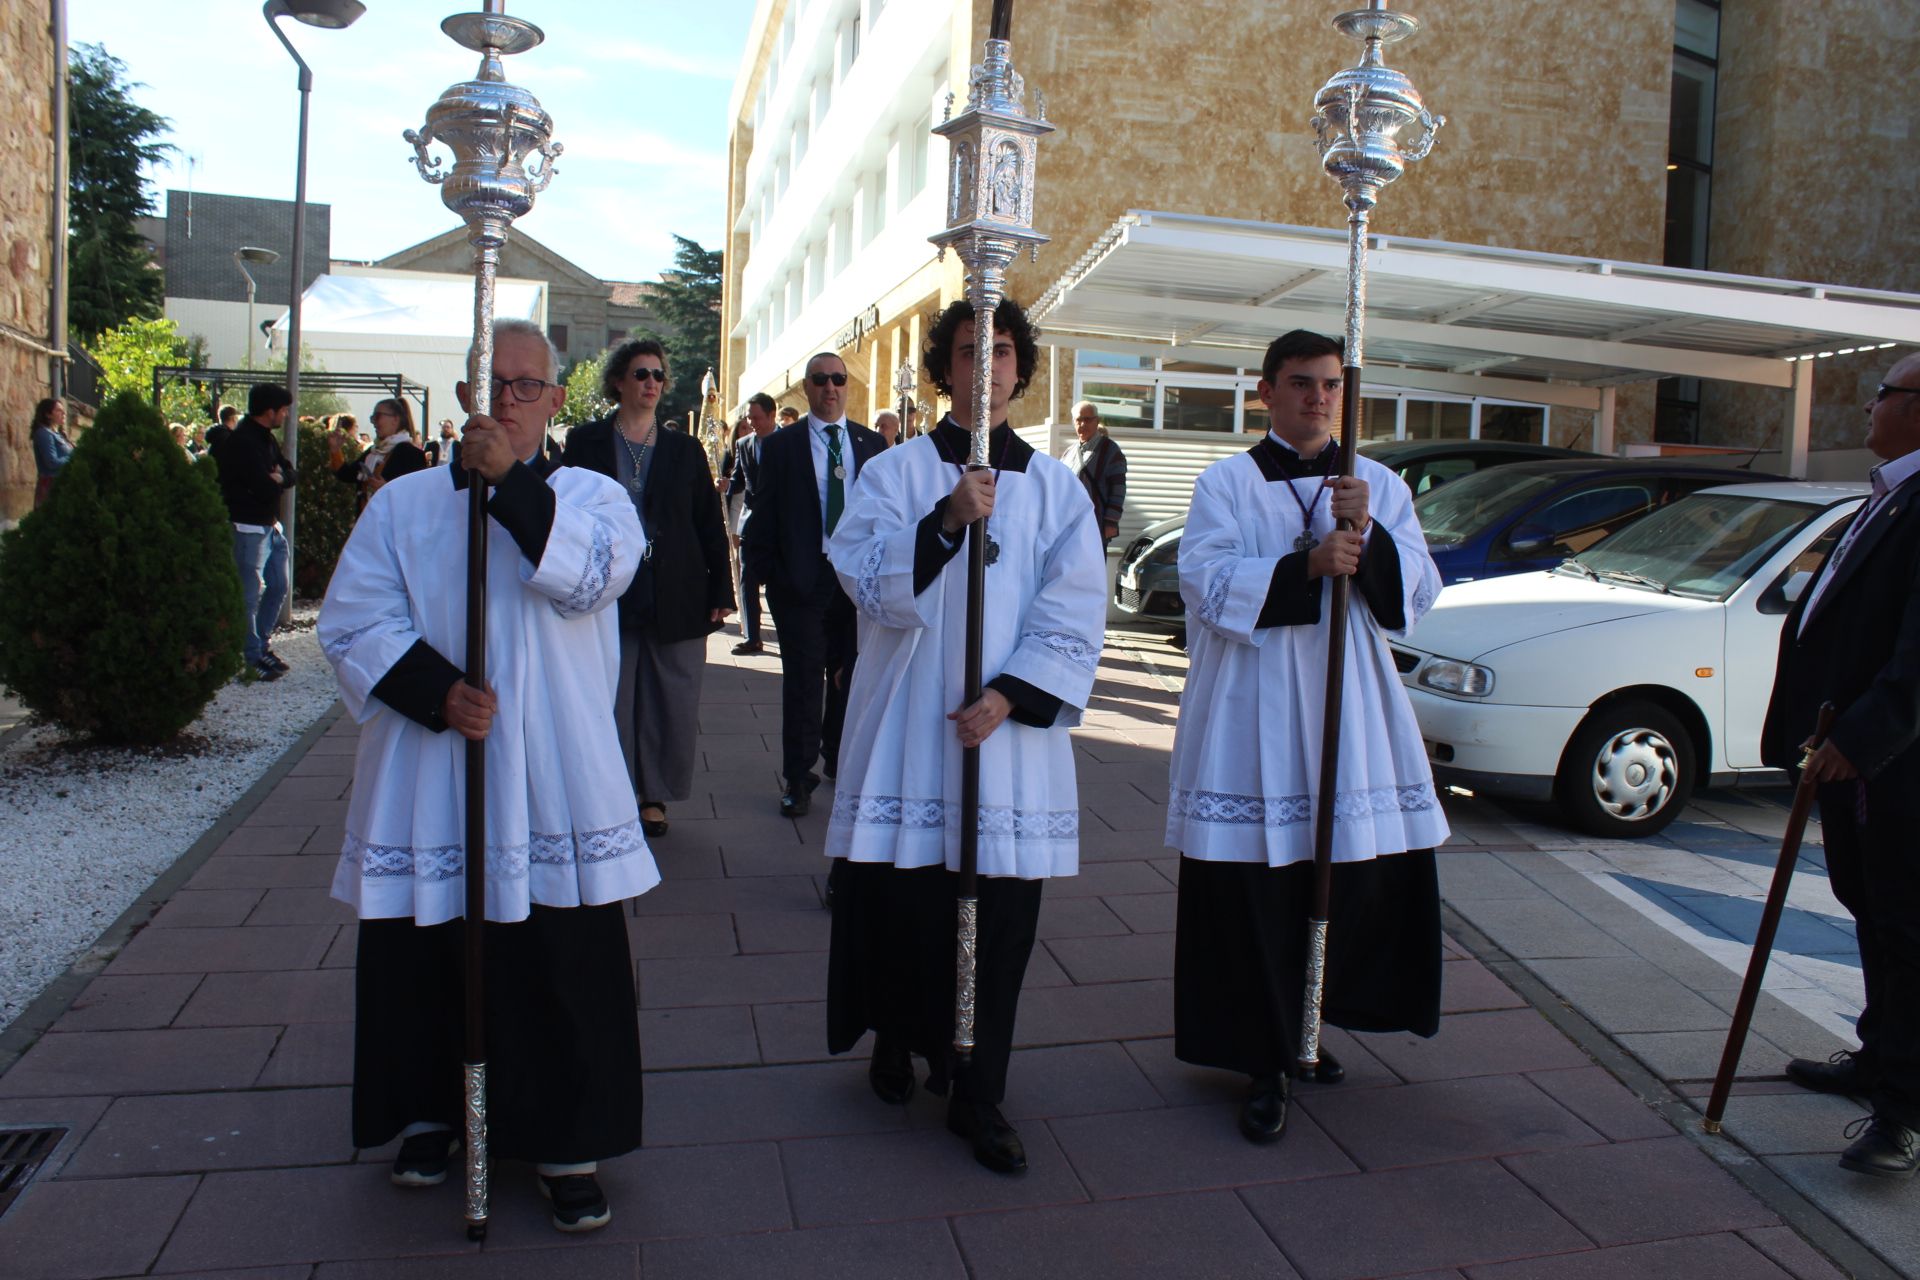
(807, 471)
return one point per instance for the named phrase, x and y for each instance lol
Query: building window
(1696, 52)
(558, 332)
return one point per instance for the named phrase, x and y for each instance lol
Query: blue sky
(638, 91)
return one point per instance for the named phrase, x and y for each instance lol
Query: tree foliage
(324, 512)
(111, 276)
(120, 609)
(129, 353)
(584, 401)
(688, 303)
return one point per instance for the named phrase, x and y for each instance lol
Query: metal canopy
(1455, 317)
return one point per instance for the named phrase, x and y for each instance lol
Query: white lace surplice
(562, 827)
(897, 795)
(1246, 757)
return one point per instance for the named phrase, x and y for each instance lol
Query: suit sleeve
(1115, 481)
(1884, 722)
(710, 527)
(760, 538)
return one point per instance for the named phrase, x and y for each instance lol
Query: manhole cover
(22, 1152)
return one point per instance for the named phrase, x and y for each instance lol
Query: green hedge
(322, 517)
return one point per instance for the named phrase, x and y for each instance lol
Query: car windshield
(1466, 508)
(1702, 546)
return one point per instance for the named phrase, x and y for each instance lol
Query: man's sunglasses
(525, 390)
(648, 375)
(1887, 389)
(822, 379)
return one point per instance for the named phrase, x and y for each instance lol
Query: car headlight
(1448, 675)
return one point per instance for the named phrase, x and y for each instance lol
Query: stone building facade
(29, 239)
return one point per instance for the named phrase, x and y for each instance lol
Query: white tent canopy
(1466, 319)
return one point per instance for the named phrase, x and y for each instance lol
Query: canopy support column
(1799, 433)
(1603, 422)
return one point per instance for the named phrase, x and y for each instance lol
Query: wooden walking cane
(1803, 798)
(493, 128)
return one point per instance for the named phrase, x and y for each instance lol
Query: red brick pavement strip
(203, 1078)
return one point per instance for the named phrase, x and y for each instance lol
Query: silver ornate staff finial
(1360, 115)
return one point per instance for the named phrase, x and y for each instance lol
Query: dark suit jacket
(1860, 651)
(1105, 480)
(689, 570)
(782, 542)
(405, 459)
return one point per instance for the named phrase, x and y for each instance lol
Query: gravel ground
(84, 830)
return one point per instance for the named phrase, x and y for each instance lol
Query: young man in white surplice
(1257, 561)
(895, 831)
(564, 845)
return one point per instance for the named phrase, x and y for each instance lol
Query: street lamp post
(331, 15)
(241, 257)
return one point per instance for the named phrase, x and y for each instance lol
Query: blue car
(1529, 516)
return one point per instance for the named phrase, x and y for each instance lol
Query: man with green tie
(807, 472)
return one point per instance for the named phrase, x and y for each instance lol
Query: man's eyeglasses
(525, 390)
(649, 375)
(822, 379)
(1887, 389)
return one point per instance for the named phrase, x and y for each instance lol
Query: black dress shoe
(1327, 1071)
(796, 804)
(657, 827)
(1842, 1073)
(891, 1072)
(1263, 1116)
(1888, 1149)
(747, 648)
(995, 1144)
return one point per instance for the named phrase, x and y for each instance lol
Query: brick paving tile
(1108, 879)
(278, 1216)
(1100, 845)
(1127, 958)
(1467, 986)
(270, 999)
(927, 1173)
(346, 946)
(1715, 1257)
(309, 786)
(76, 1115)
(228, 950)
(196, 1132)
(125, 1062)
(1080, 1079)
(716, 1036)
(325, 842)
(128, 1004)
(783, 931)
(797, 1032)
(1443, 1120)
(757, 893)
(682, 862)
(704, 980)
(1188, 1149)
(1638, 1191)
(332, 744)
(299, 1271)
(765, 858)
(657, 1194)
(575, 1260)
(1043, 971)
(920, 1250)
(1077, 918)
(205, 908)
(1603, 1102)
(80, 1230)
(1875, 1209)
(296, 813)
(1184, 1235)
(1110, 1011)
(663, 937)
(1182, 1084)
(317, 765)
(1695, 1055)
(264, 841)
(254, 871)
(1626, 993)
(314, 1053)
(760, 1103)
(1497, 1042)
(1787, 1250)
(301, 906)
(1145, 912)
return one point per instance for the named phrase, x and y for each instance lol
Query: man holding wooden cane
(1854, 639)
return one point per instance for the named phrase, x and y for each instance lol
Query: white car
(1617, 681)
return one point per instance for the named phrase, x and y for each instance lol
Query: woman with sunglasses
(684, 588)
(394, 454)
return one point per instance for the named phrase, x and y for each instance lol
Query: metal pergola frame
(389, 384)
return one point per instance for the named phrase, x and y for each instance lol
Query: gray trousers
(657, 710)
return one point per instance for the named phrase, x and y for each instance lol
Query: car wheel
(1627, 771)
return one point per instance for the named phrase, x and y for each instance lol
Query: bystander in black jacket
(686, 575)
(247, 458)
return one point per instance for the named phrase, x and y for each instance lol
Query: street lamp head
(253, 253)
(330, 14)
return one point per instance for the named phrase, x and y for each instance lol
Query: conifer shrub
(323, 515)
(120, 608)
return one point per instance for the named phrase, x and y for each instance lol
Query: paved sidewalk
(202, 1078)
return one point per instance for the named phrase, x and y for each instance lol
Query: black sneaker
(264, 670)
(274, 660)
(578, 1202)
(423, 1158)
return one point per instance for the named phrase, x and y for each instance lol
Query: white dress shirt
(817, 437)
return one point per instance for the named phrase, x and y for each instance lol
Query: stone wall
(26, 237)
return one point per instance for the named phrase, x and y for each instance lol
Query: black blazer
(689, 575)
(1860, 651)
(782, 540)
(406, 458)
